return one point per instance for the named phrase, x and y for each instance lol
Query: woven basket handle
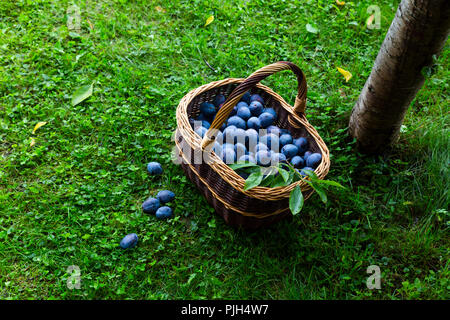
(249, 83)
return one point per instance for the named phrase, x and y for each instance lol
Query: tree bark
(419, 31)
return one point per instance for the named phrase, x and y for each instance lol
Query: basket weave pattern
(221, 185)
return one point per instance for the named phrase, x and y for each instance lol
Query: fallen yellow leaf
(370, 20)
(90, 24)
(159, 9)
(38, 125)
(340, 3)
(209, 20)
(347, 75)
(32, 142)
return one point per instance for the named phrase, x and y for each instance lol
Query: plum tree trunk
(418, 32)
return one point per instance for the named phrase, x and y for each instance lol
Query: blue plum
(207, 109)
(256, 108)
(271, 111)
(285, 139)
(314, 160)
(233, 111)
(202, 117)
(218, 100)
(244, 113)
(242, 104)
(236, 121)
(154, 168)
(217, 148)
(302, 144)
(228, 134)
(201, 131)
(228, 155)
(254, 123)
(246, 97)
(278, 157)
(303, 173)
(165, 196)
(306, 155)
(201, 123)
(240, 135)
(273, 129)
(240, 150)
(256, 97)
(150, 205)
(261, 147)
(247, 158)
(271, 141)
(266, 119)
(263, 157)
(228, 145)
(289, 150)
(164, 212)
(206, 124)
(129, 241)
(251, 137)
(298, 162)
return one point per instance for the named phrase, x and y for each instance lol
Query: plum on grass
(129, 241)
(154, 168)
(150, 205)
(164, 212)
(165, 196)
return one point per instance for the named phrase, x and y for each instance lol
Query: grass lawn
(70, 198)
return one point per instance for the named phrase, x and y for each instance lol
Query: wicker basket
(222, 186)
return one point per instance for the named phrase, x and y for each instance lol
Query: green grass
(70, 198)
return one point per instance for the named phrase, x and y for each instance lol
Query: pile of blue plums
(156, 205)
(250, 134)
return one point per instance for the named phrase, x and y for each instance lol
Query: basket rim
(228, 174)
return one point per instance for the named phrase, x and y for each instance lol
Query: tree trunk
(419, 31)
